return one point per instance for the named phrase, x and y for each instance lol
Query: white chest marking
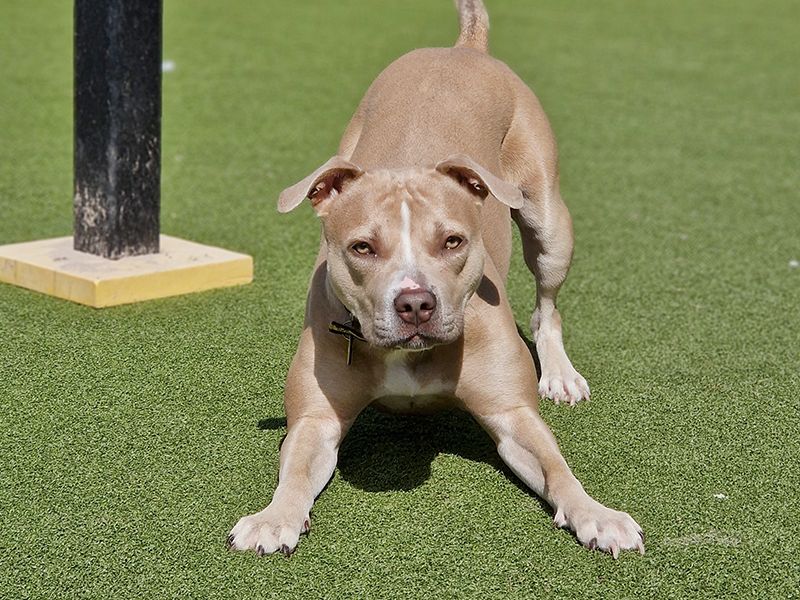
(400, 381)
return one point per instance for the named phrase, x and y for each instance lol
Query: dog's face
(404, 255)
(404, 248)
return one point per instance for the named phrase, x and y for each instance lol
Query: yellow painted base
(181, 267)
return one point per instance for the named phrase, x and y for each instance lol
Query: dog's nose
(415, 306)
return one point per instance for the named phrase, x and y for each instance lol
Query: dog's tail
(474, 25)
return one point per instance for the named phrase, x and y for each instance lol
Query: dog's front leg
(497, 390)
(317, 423)
(526, 445)
(308, 458)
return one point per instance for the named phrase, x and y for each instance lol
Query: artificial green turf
(132, 439)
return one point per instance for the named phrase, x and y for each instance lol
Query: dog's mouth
(391, 334)
(417, 341)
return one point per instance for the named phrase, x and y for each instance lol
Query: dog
(407, 308)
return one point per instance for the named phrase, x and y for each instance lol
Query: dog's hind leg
(530, 160)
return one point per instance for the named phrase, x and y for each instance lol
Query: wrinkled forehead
(417, 200)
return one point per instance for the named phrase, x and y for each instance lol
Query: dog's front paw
(274, 529)
(600, 528)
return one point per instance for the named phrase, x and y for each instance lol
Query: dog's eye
(453, 242)
(362, 248)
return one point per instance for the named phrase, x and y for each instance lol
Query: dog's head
(404, 247)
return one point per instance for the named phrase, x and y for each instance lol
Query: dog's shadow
(387, 452)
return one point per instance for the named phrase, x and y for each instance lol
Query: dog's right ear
(326, 182)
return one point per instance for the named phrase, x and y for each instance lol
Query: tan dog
(416, 247)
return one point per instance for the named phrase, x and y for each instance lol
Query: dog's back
(435, 102)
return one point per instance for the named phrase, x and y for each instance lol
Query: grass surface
(132, 439)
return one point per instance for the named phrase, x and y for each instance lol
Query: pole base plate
(53, 267)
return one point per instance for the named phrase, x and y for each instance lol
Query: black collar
(350, 329)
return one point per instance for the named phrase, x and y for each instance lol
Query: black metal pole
(117, 126)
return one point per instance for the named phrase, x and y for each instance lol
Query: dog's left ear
(325, 182)
(479, 180)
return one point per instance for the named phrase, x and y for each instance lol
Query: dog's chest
(405, 388)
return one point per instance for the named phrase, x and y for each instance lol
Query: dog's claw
(286, 551)
(306, 527)
(592, 544)
(560, 519)
(260, 550)
(229, 541)
(640, 545)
